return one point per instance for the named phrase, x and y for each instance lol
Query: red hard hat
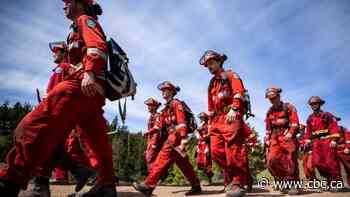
(272, 92)
(208, 55)
(202, 115)
(57, 46)
(88, 2)
(168, 85)
(152, 102)
(316, 99)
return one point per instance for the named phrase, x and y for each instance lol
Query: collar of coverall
(220, 73)
(278, 106)
(317, 113)
(168, 103)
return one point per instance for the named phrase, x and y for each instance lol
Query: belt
(322, 137)
(279, 129)
(327, 136)
(321, 132)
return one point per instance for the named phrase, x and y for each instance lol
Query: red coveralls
(203, 158)
(344, 142)
(172, 118)
(227, 139)
(72, 146)
(282, 158)
(322, 128)
(44, 128)
(154, 139)
(61, 71)
(306, 157)
(250, 142)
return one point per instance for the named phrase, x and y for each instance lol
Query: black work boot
(8, 188)
(195, 190)
(145, 190)
(210, 178)
(41, 188)
(101, 190)
(81, 175)
(236, 191)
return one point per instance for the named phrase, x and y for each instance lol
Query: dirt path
(172, 191)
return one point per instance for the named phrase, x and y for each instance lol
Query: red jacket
(344, 140)
(152, 124)
(203, 132)
(87, 45)
(57, 76)
(322, 124)
(282, 118)
(225, 91)
(173, 119)
(153, 127)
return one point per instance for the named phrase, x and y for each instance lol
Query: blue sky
(301, 46)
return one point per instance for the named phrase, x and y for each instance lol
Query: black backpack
(119, 80)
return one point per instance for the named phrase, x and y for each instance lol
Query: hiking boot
(195, 190)
(81, 175)
(8, 188)
(41, 188)
(101, 190)
(145, 190)
(236, 191)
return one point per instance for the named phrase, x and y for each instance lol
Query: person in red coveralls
(60, 57)
(154, 135)
(174, 149)
(282, 126)
(306, 155)
(250, 142)
(322, 129)
(226, 125)
(78, 100)
(343, 150)
(203, 158)
(59, 72)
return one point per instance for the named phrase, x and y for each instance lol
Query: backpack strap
(286, 108)
(326, 119)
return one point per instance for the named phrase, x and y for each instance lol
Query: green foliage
(264, 174)
(256, 159)
(10, 116)
(128, 154)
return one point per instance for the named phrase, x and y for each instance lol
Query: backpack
(190, 119)
(246, 97)
(119, 80)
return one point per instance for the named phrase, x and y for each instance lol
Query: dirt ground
(175, 191)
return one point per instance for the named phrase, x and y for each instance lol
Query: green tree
(10, 116)
(256, 158)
